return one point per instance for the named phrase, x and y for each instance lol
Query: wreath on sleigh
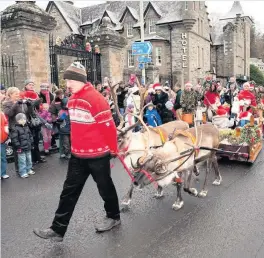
(250, 134)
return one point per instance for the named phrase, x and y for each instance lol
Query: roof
(90, 22)
(217, 32)
(133, 13)
(236, 9)
(71, 14)
(152, 37)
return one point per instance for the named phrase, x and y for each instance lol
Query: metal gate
(8, 71)
(74, 45)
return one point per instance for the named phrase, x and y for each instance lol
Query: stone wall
(24, 35)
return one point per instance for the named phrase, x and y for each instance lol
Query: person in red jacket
(90, 118)
(3, 136)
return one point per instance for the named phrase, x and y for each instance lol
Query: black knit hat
(76, 71)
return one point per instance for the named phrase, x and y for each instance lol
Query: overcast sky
(251, 8)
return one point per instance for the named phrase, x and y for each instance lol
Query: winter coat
(121, 94)
(167, 116)
(134, 100)
(64, 122)
(93, 131)
(153, 118)
(188, 101)
(177, 103)
(229, 96)
(11, 109)
(42, 95)
(160, 100)
(46, 115)
(21, 137)
(4, 128)
(54, 108)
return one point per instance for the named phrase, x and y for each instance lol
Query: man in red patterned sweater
(93, 141)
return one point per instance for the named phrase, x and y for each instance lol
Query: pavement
(227, 223)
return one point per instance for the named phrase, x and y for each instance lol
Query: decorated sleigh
(246, 139)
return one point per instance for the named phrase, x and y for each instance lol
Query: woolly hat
(44, 86)
(28, 82)
(129, 106)
(221, 112)
(188, 84)
(169, 105)
(76, 72)
(157, 86)
(245, 115)
(20, 116)
(2, 87)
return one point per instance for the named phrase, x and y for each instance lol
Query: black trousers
(78, 172)
(35, 153)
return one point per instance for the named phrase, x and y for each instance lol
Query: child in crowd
(22, 141)
(46, 128)
(152, 116)
(4, 136)
(64, 130)
(129, 118)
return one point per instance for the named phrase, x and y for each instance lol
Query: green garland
(250, 134)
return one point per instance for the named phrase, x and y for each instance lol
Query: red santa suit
(246, 98)
(211, 99)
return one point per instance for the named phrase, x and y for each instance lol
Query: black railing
(8, 71)
(73, 46)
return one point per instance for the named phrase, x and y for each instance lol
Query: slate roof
(152, 37)
(217, 28)
(236, 9)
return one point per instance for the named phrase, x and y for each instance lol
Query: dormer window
(130, 29)
(152, 26)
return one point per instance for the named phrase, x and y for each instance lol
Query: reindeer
(133, 145)
(177, 159)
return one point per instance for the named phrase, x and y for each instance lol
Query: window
(198, 21)
(158, 55)
(193, 5)
(201, 28)
(186, 5)
(130, 59)
(201, 5)
(129, 29)
(152, 26)
(198, 57)
(202, 57)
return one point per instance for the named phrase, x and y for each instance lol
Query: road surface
(229, 222)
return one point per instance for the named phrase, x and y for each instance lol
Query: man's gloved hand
(48, 126)
(20, 101)
(19, 150)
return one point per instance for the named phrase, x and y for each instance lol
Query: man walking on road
(91, 118)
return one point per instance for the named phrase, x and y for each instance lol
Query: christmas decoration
(250, 134)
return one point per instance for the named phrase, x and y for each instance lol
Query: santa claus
(246, 98)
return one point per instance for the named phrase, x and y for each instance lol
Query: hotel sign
(184, 49)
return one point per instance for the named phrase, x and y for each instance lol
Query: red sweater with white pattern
(93, 131)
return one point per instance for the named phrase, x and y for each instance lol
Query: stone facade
(24, 35)
(185, 47)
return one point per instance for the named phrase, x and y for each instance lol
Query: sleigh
(247, 139)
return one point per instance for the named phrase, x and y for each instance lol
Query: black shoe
(42, 160)
(107, 224)
(48, 234)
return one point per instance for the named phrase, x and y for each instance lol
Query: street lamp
(142, 35)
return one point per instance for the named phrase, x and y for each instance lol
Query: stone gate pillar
(25, 34)
(112, 50)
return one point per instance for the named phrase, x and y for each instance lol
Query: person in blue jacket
(152, 116)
